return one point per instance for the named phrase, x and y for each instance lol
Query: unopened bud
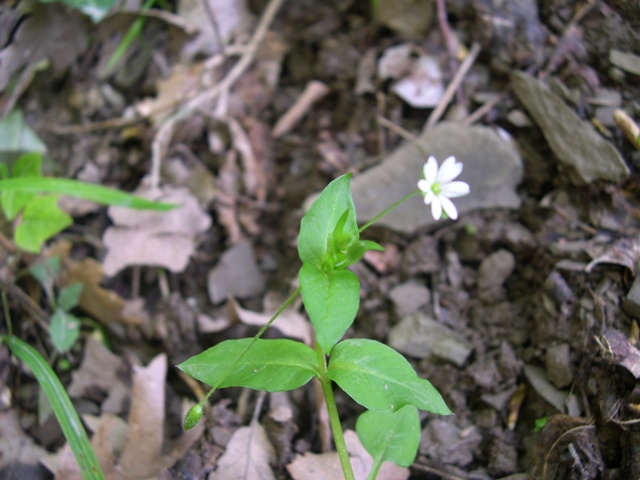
(193, 417)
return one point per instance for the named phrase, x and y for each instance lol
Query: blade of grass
(88, 191)
(132, 33)
(62, 407)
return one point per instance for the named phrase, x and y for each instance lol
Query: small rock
(558, 362)
(493, 272)
(236, 275)
(492, 168)
(625, 61)
(585, 155)
(421, 337)
(538, 380)
(409, 297)
(445, 442)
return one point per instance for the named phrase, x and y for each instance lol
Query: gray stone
(495, 269)
(583, 153)
(558, 362)
(492, 168)
(625, 61)
(538, 380)
(236, 275)
(409, 297)
(445, 442)
(421, 337)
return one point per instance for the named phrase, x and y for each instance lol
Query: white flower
(438, 188)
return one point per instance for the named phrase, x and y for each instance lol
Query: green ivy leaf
(392, 437)
(28, 165)
(64, 330)
(379, 378)
(271, 365)
(41, 220)
(69, 296)
(318, 226)
(331, 300)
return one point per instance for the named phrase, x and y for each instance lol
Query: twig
(451, 89)
(163, 136)
(397, 129)
(314, 91)
(484, 109)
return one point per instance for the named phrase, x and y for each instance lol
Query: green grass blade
(62, 407)
(88, 191)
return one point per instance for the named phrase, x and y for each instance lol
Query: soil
(549, 388)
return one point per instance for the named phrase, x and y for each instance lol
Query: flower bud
(193, 417)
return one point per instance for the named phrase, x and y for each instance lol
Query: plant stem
(384, 212)
(282, 308)
(334, 419)
(375, 469)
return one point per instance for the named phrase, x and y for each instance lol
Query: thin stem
(384, 212)
(375, 469)
(334, 419)
(282, 308)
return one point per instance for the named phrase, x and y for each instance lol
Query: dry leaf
(624, 252)
(291, 323)
(100, 373)
(15, 445)
(102, 304)
(312, 466)
(236, 275)
(165, 239)
(247, 457)
(423, 87)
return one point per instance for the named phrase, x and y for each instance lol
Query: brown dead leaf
(290, 322)
(163, 239)
(624, 252)
(104, 305)
(248, 456)
(312, 466)
(101, 372)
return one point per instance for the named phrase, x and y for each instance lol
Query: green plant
(23, 190)
(371, 373)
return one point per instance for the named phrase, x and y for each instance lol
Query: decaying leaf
(15, 445)
(236, 275)
(248, 456)
(290, 322)
(164, 239)
(424, 86)
(100, 373)
(624, 252)
(104, 305)
(312, 466)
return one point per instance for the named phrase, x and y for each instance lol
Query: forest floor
(523, 313)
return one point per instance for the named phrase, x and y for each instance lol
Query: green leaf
(379, 378)
(88, 191)
(64, 330)
(96, 9)
(69, 296)
(393, 437)
(271, 365)
(62, 407)
(331, 300)
(17, 136)
(41, 220)
(319, 223)
(28, 165)
(46, 272)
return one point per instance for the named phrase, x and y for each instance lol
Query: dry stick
(314, 91)
(446, 33)
(163, 136)
(451, 89)
(484, 109)
(397, 129)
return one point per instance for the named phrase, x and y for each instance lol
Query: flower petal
(431, 170)
(424, 186)
(455, 189)
(436, 208)
(449, 207)
(449, 170)
(428, 198)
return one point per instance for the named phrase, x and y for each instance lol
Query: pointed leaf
(64, 330)
(42, 219)
(28, 165)
(379, 378)
(331, 300)
(319, 223)
(69, 296)
(271, 365)
(393, 437)
(46, 272)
